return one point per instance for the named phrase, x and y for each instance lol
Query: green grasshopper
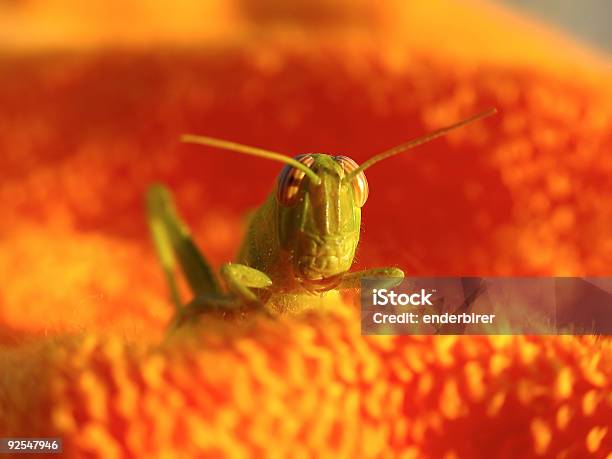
(299, 245)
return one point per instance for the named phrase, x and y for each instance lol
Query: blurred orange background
(93, 100)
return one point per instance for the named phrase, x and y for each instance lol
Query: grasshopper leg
(173, 242)
(241, 279)
(352, 280)
(202, 304)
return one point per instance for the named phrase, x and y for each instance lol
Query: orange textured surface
(314, 387)
(82, 134)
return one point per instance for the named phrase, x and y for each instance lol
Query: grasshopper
(299, 245)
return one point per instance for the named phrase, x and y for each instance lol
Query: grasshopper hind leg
(173, 243)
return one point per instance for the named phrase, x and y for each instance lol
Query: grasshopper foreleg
(240, 279)
(352, 280)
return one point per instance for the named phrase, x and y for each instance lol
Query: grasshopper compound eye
(359, 182)
(289, 181)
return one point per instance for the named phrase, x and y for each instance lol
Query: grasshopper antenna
(416, 142)
(254, 151)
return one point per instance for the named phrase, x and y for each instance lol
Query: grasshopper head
(319, 223)
(319, 200)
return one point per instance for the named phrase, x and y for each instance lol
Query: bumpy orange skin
(83, 133)
(314, 387)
